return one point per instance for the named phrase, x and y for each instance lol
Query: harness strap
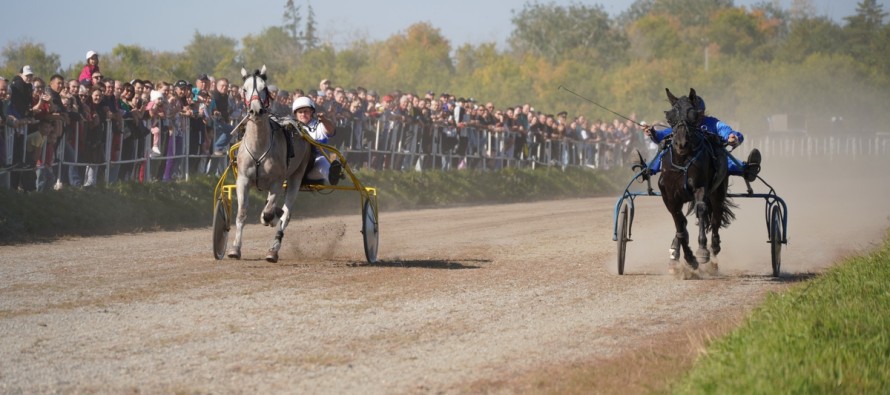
(258, 161)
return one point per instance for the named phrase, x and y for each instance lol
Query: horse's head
(685, 118)
(256, 95)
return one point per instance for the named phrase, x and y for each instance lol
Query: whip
(600, 106)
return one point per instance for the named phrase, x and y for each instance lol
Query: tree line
(749, 63)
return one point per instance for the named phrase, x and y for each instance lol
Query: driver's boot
(640, 163)
(335, 173)
(752, 166)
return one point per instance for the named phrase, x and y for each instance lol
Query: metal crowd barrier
(391, 144)
(386, 143)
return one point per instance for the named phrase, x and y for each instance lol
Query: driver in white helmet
(320, 128)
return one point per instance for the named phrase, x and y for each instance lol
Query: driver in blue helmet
(748, 170)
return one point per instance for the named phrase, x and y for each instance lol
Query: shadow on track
(428, 263)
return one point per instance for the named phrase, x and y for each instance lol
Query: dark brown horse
(690, 173)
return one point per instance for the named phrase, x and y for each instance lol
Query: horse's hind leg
(718, 216)
(703, 213)
(716, 222)
(271, 213)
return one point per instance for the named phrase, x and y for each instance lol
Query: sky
(71, 28)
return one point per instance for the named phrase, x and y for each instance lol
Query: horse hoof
(234, 254)
(674, 254)
(272, 257)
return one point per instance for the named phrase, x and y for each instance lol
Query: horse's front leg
(680, 242)
(241, 189)
(703, 213)
(289, 198)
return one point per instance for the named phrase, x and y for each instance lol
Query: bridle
(254, 94)
(697, 150)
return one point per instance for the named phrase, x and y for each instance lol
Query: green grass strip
(830, 335)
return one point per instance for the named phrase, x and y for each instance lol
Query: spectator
(19, 115)
(156, 109)
(93, 138)
(323, 86)
(96, 78)
(39, 100)
(198, 134)
(114, 119)
(220, 117)
(73, 133)
(41, 151)
(180, 112)
(20, 93)
(90, 69)
(355, 121)
(139, 90)
(280, 107)
(203, 119)
(133, 142)
(202, 84)
(236, 103)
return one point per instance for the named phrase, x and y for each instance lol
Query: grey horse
(262, 162)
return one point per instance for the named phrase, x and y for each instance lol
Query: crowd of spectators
(112, 130)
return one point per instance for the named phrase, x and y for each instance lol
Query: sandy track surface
(462, 296)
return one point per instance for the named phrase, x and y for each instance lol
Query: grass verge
(827, 335)
(132, 207)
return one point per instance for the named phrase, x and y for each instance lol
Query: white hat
(90, 54)
(27, 70)
(302, 102)
(155, 95)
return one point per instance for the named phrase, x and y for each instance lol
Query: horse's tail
(728, 214)
(727, 204)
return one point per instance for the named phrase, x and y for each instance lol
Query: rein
(697, 151)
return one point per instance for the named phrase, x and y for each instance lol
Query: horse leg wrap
(276, 244)
(682, 236)
(675, 245)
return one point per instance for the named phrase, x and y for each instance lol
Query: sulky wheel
(622, 238)
(370, 230)
(775, 239)
(220, 229)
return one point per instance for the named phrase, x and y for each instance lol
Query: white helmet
(303, 102)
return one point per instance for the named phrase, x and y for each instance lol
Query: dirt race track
(476, 299)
